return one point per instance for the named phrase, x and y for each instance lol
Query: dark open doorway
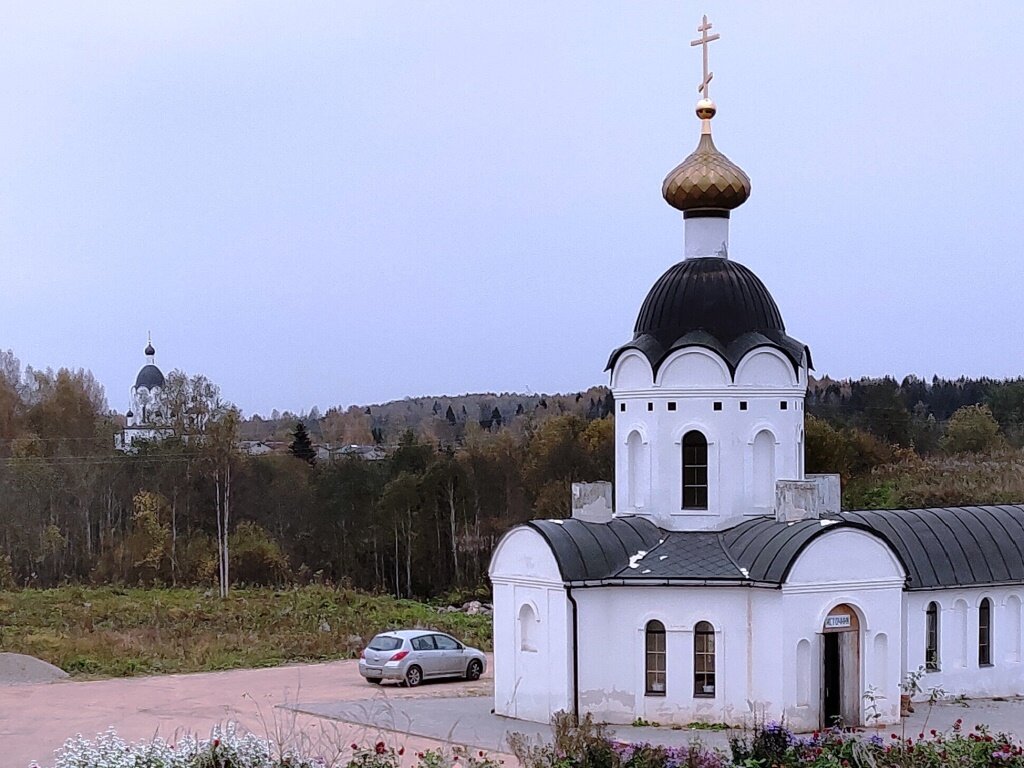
(831, 705)
(840, 669)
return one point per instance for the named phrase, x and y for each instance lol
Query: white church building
(145, 420)
(727, 584)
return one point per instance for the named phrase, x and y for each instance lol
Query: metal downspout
(575, 657)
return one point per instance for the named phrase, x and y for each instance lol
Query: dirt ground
(35, 719)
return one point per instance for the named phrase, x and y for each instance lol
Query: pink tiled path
(36, 719)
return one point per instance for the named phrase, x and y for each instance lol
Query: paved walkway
(36, 719)
(468, 720)
(1005, 715)
(326, 707)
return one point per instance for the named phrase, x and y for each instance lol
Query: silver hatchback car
(414, 655)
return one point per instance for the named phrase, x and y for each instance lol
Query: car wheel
(413, 676)
(374, 680)
(474, 670)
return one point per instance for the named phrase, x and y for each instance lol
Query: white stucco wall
(761, 668)
(959, 672)
(612, 682)
(841, 567)
(694, 379)
(764, 666)
(532, 679)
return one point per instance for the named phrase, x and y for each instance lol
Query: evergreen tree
(450, 415)
(301, 446)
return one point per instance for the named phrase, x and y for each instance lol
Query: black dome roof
(711, 302)
(149, 377)
(714, 294)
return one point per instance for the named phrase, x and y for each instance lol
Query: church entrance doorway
(840, 674)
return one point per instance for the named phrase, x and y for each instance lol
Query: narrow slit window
(783, 405)
(671, 406)
(654, 663)
(717, 406)
(695, 471)
(985, 633)
(622, 407)
(704, 660)
(931, 640)
(743, 405)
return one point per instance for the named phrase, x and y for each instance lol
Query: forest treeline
(194, 509)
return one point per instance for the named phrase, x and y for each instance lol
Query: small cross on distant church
(703, 41)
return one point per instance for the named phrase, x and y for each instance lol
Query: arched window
(931, 637)
(695, 471)
(764, 469)
(637, 473)
(985, 633)
(527, 628)
(704, 660)
(654, 642)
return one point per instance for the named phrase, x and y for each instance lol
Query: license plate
(373, 670)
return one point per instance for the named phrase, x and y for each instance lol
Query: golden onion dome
(706, 179)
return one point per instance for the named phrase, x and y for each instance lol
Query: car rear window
(385, 643)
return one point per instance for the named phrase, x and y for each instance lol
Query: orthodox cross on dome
(703, 41)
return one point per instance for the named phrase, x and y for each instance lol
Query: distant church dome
(149, 377)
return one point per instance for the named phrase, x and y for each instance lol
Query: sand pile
(19, 669)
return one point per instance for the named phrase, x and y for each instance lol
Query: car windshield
(385, 643)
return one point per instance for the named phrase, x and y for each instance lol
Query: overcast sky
(350, 202)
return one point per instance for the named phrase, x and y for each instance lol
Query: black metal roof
(711, 302)
(953, 546)
(149, 377)
(589, 551)
(938, 548)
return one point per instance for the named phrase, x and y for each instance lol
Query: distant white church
(727, 583)
(145, 420)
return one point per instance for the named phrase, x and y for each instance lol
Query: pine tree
(450, 415)
(301, 446)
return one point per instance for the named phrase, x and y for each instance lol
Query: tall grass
(940, 481)
(116, 632)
